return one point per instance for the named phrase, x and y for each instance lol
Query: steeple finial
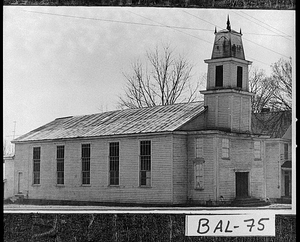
(215, 30)
(240, 31)
(228, 23)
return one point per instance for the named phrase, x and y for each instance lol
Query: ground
(61, 208)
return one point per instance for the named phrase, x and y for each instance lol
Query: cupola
(228, 43)
(227, 93)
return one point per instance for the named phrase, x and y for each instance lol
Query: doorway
(287, 183)
(19, 182)
(242, 184)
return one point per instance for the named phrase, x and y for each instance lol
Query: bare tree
(273, 92)
(259, 84)
(167, 81)
(282, 81)
(274, 95)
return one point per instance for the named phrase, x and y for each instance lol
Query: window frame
(36, 174)
(199, 173)
(115, 159)
(225, 154)
(199, 142)
(145, 174)
(285, 151)
(86, 166)
(257, 150)
(60, 163)
(239, 77)
(219, 76)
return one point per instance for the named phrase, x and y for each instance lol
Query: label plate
(230, 225)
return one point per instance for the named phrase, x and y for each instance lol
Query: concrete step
(17, 197)
(249, 202)
(285, 200)
(20, 195)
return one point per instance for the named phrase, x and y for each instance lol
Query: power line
(135, 23)
(284, 34)
(170, 27)
(222, 27)
(243, 38)
(117, 21)
(259, 61)
(159, 25)
(266, 48)
(262, 26)
(278, 35)
(202, 19)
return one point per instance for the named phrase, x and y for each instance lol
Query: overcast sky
(62, 61)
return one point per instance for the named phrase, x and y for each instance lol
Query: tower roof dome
(228, 43)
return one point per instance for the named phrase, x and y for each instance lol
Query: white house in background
(8, 176)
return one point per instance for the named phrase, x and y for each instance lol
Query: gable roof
(129, 121)
(273, 124)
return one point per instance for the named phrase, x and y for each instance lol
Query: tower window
(219, 76)
(239, 76)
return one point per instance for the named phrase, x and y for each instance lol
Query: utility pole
(14, 132)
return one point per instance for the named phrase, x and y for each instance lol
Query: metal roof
(129, 121)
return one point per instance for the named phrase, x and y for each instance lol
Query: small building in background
(8, 176)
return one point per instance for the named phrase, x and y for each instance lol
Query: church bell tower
(227, 95)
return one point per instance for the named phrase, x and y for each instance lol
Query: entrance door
(241, 184)
(19, 182)
(287, 183)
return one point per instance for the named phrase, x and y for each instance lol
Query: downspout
(216, 167)
(279, 171)
(172, 168)
(187, 170)
(265, 168)
(28, 174)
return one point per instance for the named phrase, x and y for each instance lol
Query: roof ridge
(126, 109)
(161, 105)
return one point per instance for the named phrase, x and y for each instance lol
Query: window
(145, 163)
(114, 163)
(60, 158)
(85, 158)
(286, 151)
(225, 148)
(36, 165)
(199, 147)
(257, 150)
(239, 76)
(199, 175)
(219, 76)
